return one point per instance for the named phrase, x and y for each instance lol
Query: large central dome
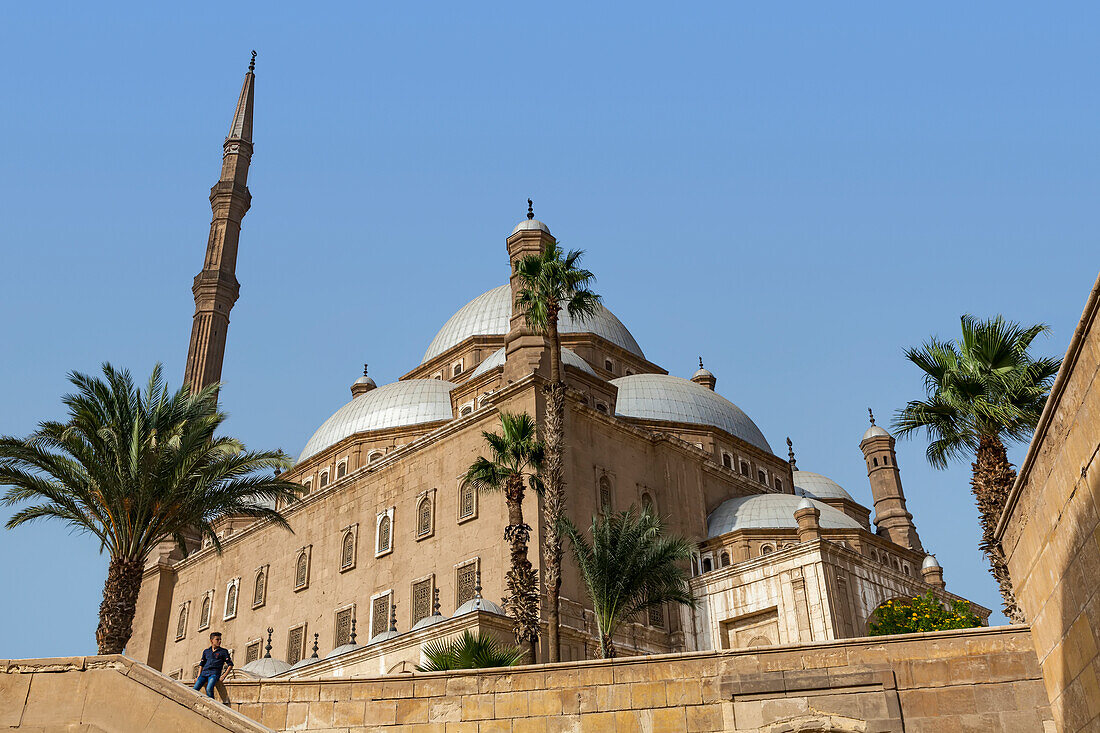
(488, 315)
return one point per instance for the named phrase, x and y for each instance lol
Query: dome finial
(364, 370)
(530, 209)
(252, 63)
(270, 631)
(435, 602)
(872, 414)
(393, 617)
(315, 638)
(351, 637)
(700, 362)
(477, 587)
(790, 454)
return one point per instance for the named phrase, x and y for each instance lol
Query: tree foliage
(469, 651)
(922, 613)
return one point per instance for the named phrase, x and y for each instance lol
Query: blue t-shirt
(214, 659)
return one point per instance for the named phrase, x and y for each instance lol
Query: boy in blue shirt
(216, 665)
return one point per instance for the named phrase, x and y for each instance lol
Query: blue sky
(795, 191)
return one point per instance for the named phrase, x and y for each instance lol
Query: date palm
(551, 282)
(134, 469)
(515, 457)
(629, 566)
(981, 390)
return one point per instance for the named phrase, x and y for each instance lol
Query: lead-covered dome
(664, 397)
(489, 313)
(409, 402)
(771, 511)
(816, 486)
(496, 359)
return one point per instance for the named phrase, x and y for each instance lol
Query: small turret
(362, 385)
(704, 377)
(808, 517)
(932, 573)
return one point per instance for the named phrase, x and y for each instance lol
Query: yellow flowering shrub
(923, 613)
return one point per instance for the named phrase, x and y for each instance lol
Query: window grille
(421, 599)
(204, 614)
(252, 651)
(301, 572)
(424, 518)
(467, 579)
(605, 493)
(347, 554)
(260, 588)
(343, 627)
(466, 501)
(384, 533)
(656, 617)
(342, 470)
(294, 644)
(231, 601)
(380, 615)
(181, 622)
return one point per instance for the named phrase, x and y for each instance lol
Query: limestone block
(647, 695)
(477, 707)
(684, 691)
(613, 697)
(529, 725)
(545, 702)
(412, 710)
(13, 695)
(273, 715)
(55, 698)
(703, 718)
(431, 687)
(297, 715)
(320, 714)
(305, 692)
(349, 713)
(510, 704)
(380, 712)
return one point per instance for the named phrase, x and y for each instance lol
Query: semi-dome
(816, 486)
(410, 402)
(664, 397)
(489, 313)
(496, 359)
(771, 511)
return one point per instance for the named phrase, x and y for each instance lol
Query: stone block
(545, 702)
(113, 701)
(431, 687)
(529, 725)
(412, 710)
(510, 704)
(55, 698)
(462, 685)
(684, 691)
(494, 726)
(703, 718)
(274, 715)
(564, 724)
(320, 714)
(477, 707)
(468, 727)
(380, 712)
(444, 710)
(599, 722)
(13, 696)
(348, 713)
(763, 682)
(669, 719)
(274, 692)
(251, 709)
(578, 700)
(297, 715)
(647, 695)
(931, 673)
(1011, 665)
(613, 697)
(958, 700)
(306, 692)
(392, 689)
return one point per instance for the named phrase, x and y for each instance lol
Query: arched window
(384, 532)
(630, 372)
(897, 565)
(766, 549)
(874, 556)
(906, 569)
(342, 470)
(694, 566)
(181, 622)
(886, 460)
(467, 501)
(204, 612)
(456, 369)
(347, 550)
(467, 410)
(884, 559)
(601, 407)
(231, 600)
(608, 365)
(761, 476)
(724, 559)
(324, 479)
(707, 565)
(744, 468)
(259, 589)
(727, 461)
(309, 487)
(647, 503)
(605, 493)
(301, 570)
(424, 517)
(875, 459)
(374, 456)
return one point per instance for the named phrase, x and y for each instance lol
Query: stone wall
(109, 694)
(977, 679)
(1051, 532)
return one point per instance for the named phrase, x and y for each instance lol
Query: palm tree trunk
(607, 644)
(116, 612)
(554, 479)
(522, 581)
(991, 481)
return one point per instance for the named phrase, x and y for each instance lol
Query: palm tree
(134, 469)
(629, 567)
(982, 390)
(469, 651)
(550, 282)
(516, 455)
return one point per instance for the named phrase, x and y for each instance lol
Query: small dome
(489, 314)
(816, 486)
(435, 618)
(266, 667)
(702, 373)
(384, 636)
(531, 225)
(875, 431)
(771, 511)
(479, 604)
(672, 399)
(343, 649)
(410, 402)
(365, 381)
(930, 563)
(805, 504)
(496, 359)
(304, 663)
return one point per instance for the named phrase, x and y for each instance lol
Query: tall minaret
(893, 520)
(525, 351)
(216, 287)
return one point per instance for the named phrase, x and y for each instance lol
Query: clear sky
(794, 191)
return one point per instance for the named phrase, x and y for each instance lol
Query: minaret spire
(216, 287)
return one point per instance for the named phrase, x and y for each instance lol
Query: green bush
(923, 613)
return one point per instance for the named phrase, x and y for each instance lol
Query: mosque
(784, 555)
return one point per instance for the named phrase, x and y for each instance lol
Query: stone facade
(1051, 532)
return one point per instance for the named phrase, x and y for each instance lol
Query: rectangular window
(421, 599)
(657, 617)
(252, 651)
(466, 579)
(343, 627)
(467, 502)
(380, 615)
(295, 639)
